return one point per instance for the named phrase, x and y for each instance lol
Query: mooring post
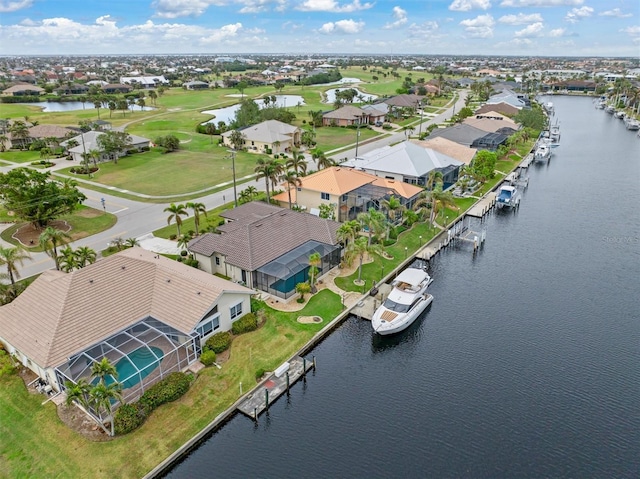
(287, 382)
(314, 363)
(266, 398)
(255, 414)
(304, 367)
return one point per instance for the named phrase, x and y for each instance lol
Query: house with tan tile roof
(146, 313)
(450, 148)
(345, 116)
(23, 90)
(268, 137)
(491, 122)
(348, 190)
(502, 107)
(407, 162)
(268, 247)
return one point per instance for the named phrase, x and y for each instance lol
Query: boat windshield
(396, 307)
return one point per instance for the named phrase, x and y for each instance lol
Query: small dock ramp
(482, 207)
(368, 305)
(275, 386)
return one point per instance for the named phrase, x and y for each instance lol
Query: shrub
(129, 417)
(208, 357)
(259, 373)
(246, 324)
(300, 300)
(173, 237)
(388, 242)
(184, 252)
(169, 389)
(194, 263)
(219, 342)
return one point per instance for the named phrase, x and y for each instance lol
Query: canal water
(527, 364)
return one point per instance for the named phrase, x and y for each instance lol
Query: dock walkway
(274, 387)
(483, 206)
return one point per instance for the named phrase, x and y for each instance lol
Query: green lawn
(18, 156)
(178, 173)
(36, 444)
(84, 222)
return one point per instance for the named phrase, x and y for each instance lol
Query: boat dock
(365, 308)
(482, 207)
(275, 386)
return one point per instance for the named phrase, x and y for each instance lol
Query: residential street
(136, 218)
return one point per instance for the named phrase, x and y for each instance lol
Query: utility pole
(233, 170)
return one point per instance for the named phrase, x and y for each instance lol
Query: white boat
(508, 196)
(542, 153)
(631, 123)
(554, 133)
(620, 114)
(405, 302)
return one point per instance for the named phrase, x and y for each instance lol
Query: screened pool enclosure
(280, 276)
(142, 354)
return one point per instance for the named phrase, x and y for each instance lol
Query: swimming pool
(144, 359)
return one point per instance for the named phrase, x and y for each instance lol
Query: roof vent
(168, 280)
(122, 267)
(90, 281)
(198, 293)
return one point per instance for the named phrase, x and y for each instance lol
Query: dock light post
(446, 220)
(420, 240)
(406, 252)
(233, 170)
(382, 273)
(357, 139)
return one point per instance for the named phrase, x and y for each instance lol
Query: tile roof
(490, 122)
(501, 107)
(450, 148)
(347, 112)
(268, 131)
(49, 131)
(251, 243)
(60, 314)
(90, 139)
(404, 158)
(406, 100)
(459, 133)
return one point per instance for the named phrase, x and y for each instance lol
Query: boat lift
(461, 231)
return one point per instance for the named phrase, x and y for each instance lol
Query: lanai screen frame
(180, 349)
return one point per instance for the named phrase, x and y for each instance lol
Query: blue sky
(458, 27)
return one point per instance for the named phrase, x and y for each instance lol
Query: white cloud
(479, 27)
(520, 19)
(257, 6)
(557, 32)
(540, 3)
(425, 30)
(221, 34)
(6, 7)
(633, 31)
(342, 26)
(577, 14)
(400, 16)
(466, 5)
(183, 8)
(332, 6)
(616, 12)
(533, 30)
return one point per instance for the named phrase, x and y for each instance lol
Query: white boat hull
(401, 321)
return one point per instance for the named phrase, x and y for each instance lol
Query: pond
(228, 114)
(56, 106)
(342, 81)
(331, 95)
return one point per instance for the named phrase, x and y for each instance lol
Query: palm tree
(441, 200)
(248, 194)
(315, 260)
(67, 259)
(78, 392)
(20, 131)
(49, 240)
(324, 162)
(297, 163)
(84, 256)
(373, 220)
(348, 231)
(198, 208)
(103, 368)
(236, 139)
(12, 257)
(177, 212)
(102, 396)
(153, 95)
(434, 178)
(292, 181)
(210, 129)
(359, 248)
(270, 170)
(131, 242)
(393, 206)
(141, 103)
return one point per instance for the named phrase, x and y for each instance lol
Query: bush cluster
(131, 416)
(249, 322)
(219, 342)
(208, 357)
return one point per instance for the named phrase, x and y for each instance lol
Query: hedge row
(131, 416)
(218, 343)
(248, 323)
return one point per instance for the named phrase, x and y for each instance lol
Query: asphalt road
(136, 218)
